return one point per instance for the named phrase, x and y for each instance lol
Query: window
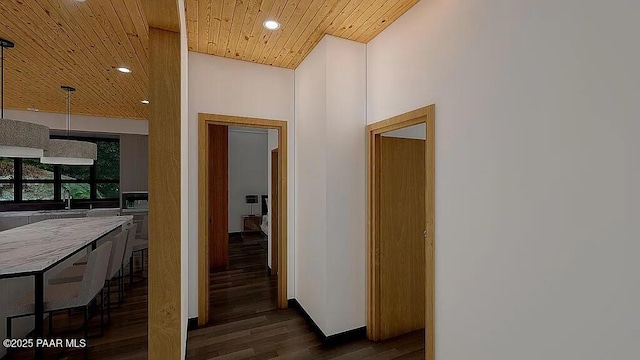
(28, 180)
(76, 180)
(7, 171)
(108, 170)
(37, 180)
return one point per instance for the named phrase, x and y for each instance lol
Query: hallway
(247, 326)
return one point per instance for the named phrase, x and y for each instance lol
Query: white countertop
(79, 212)
(35, 247)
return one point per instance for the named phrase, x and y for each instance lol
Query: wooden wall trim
(203, 215)
(274, 211)
(423, 115)
(165, 309)
(430, 147)
(204, 120)
(414, 117)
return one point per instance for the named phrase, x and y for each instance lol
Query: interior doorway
(235, 254)
(400, 230)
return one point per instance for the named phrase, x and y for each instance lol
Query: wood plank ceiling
(80, 44)
(233, 28)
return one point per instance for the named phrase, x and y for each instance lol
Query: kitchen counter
(42, 212)
(12, 219)
(135, 211)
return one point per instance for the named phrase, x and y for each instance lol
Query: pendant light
(19, 139)
(70, 152)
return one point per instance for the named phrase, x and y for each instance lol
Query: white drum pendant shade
(19, 139)
(70, 152)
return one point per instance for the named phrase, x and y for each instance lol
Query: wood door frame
(204, 120)
(424, 115)
(275, 154)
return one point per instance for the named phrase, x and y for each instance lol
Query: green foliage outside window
(38, 180)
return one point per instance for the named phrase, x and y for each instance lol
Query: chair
(141, 242)
(70, 295)
(83, 260)
(128, 253)
(74, 273)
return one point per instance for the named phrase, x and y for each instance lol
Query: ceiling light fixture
(271, 25)
(70, 152)
(145, 101)
(124, 70)
(19, 139)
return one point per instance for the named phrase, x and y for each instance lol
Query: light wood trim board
(204, 120)
(423, 115)
(165, 307)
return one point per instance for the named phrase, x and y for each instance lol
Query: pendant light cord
(68, 114)
(68, 90)
(3, 44)
(2, 84)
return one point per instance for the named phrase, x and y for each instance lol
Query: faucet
(66, 196)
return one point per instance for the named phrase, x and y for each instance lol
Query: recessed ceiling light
(271, 25)
(145, 101)
(124, 70)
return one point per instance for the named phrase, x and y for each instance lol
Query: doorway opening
(242, 218)
(400, 226)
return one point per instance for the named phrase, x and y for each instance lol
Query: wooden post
(165, 327)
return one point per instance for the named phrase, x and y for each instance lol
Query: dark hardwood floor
(244, 288)
(283, 334)
(245, 324)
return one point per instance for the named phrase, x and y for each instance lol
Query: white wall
(330, 184)
(346, 185)
(247, 173)
(272, 144)
(536, 177)
(311, 184)
(85, 123)
(231, 87)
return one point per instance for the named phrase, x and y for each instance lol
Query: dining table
(34, 249)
